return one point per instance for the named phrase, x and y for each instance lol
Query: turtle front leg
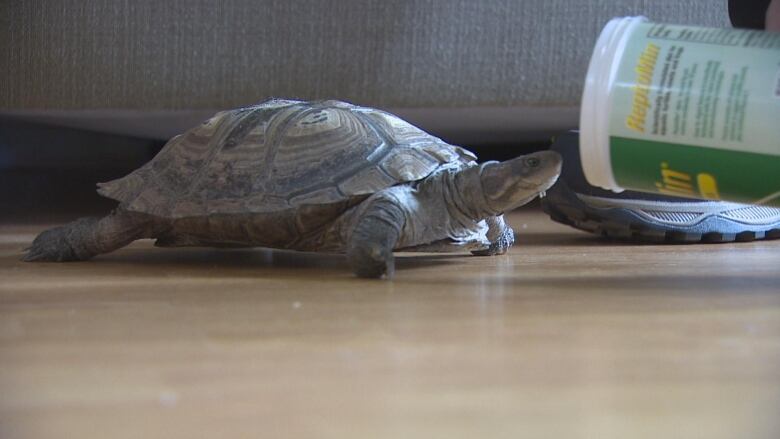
(86, 237)
(373, 237)
(500, 235)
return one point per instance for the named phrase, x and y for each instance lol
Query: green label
(712, 93)
(694, 171)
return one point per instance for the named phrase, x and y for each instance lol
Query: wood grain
(568, 336)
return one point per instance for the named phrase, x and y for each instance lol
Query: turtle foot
(371, 261)
(501, 244)
(56, 245)
(495, 249)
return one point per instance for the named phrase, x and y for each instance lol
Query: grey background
(185, 55)
(503, 74)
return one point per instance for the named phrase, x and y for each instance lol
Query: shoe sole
(661, 222)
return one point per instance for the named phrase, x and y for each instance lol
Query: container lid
(596, 104)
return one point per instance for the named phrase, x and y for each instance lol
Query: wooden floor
(567, 336)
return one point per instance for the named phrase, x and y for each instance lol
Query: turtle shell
(279, 155)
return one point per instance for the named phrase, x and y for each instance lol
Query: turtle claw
(495, 249)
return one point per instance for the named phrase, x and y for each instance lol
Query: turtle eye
(532, 162)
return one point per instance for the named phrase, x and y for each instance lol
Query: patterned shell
(279, 155)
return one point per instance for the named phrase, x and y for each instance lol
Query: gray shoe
(645, 217)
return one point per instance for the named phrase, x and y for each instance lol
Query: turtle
(319, 176)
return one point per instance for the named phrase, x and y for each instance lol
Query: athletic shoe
(638, 216)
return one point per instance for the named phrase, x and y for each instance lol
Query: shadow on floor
(219, 263)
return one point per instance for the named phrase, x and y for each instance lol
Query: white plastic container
(683, 110)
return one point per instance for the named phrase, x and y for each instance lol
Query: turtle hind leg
(60, 244)
(87, 237)
(375, 234)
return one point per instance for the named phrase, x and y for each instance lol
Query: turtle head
(513, 183)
